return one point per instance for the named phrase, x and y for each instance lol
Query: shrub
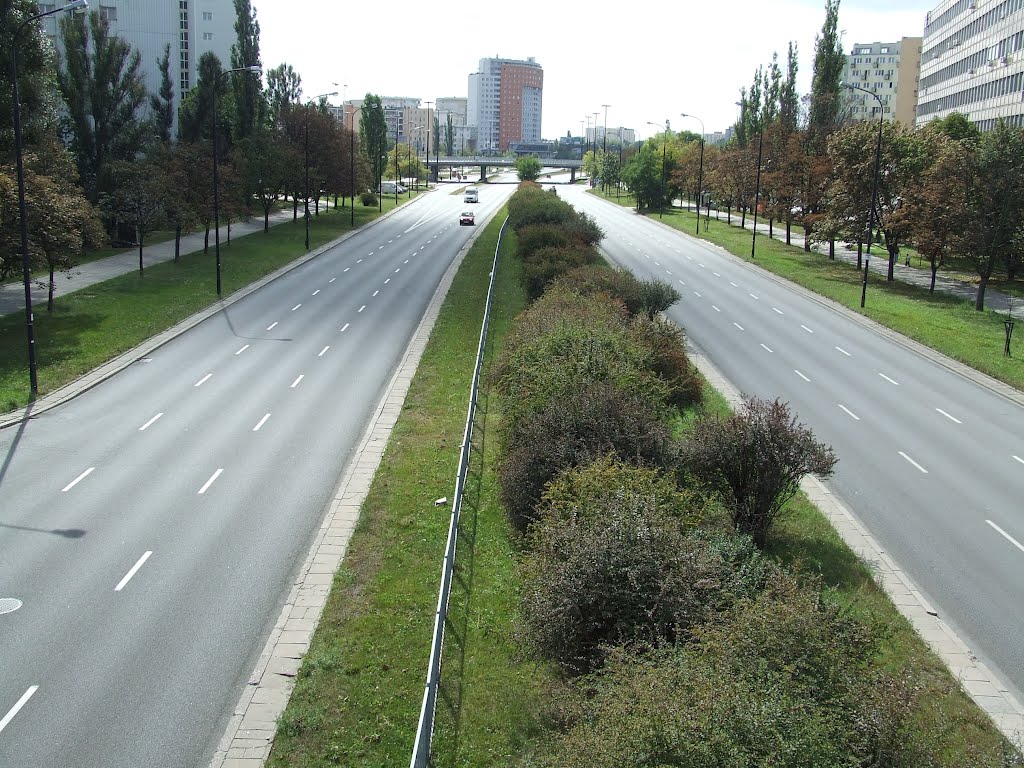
(755, 458)
(612, 563)
(776, 683)
(577, 424)
(531, 205)
(594, 279)
(368, 198)
(547, 264)
(669, 361)
(656, 296)
(533, 237)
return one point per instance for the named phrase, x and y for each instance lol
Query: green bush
(579, 423)
(777, 683)
(547, 264)
(532, 205)
(611, 563)
(368, 198)
(669, 360)
(615, 282)
(533, 237)
(755, 459)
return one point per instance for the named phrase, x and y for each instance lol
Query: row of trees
(955, 195)
(102, 159)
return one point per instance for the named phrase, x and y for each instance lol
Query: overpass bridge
(435, 164)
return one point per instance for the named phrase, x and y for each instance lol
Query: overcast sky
(648, 60)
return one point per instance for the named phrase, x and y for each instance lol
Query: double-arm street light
(874, 186)
(26, 267)
(664, 182)
(255, 69)
(700, 173)
(305, 152)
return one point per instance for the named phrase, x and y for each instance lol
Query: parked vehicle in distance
(391, 188)
(472, 195)
(467, 217)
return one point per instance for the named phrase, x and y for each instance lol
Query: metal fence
(425, 729)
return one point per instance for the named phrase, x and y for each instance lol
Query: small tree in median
(528, 168)
(755, 458)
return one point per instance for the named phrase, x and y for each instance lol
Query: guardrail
(425, 729)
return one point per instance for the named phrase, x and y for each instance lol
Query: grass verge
(89, 327)
(946, 324)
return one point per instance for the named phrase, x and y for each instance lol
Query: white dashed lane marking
(923, 470)
(77, 480)
(849, 412)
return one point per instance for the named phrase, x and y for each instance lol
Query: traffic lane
(1005, 565)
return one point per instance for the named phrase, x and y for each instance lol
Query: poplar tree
(248, 89)
(828, 71)
(161, 104)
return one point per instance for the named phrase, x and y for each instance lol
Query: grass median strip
(93, 325)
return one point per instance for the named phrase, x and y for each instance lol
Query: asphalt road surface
(931, 461)
(152, 526)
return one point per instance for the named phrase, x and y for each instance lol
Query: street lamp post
(874, 187)
(427, 153)
(397, 176)
(604, 144)
(757, 185)
(306, 157)
(664, 183)
(216, 199)
(352, 167)
(700, 173)
(26, 267)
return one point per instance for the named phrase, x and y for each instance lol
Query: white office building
(190, 27)
(972, 62)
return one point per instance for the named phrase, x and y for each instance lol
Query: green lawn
(944, 323)
(91, 326)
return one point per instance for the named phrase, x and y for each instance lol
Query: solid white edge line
(951, 418)
(75, 482)
(132, 572)
(242, 349)
(322, 351)
(151, 421)
(1008, 537)
(800, 375)
(209, 482)
(260, 423)
(849, 412)
(296, 382)
(923, 470)
(200, 382)
(17, 707)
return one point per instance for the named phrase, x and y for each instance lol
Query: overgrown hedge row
(681, 643)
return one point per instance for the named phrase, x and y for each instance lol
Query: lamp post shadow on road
(255, 69)
(26, 265)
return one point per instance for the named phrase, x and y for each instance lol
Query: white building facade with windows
(972, 62)
(505, 103)
(889, 70)
(190, 27)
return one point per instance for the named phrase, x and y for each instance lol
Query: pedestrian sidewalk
(994, 300)
(12, 295)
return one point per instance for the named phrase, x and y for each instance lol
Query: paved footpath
(994, 300)
(12, 295)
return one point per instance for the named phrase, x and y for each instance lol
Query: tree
(789, 100)
(101, 83)
(373, 132)
(937, 208)
(995, 195)
(528, 168)
(263, 160)
(755, 459)
(643, 178)
(449, 137)
(437, 135)
(249, 102)
(829, 60)
(137, 198)
(195, 120)
(161, 104)
(284, 87)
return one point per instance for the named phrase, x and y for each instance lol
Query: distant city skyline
(656, 61)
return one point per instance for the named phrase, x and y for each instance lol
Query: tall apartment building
(505, 102)
(889, 70)
(972, 62)
(190, 27)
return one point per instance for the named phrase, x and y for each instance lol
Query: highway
(931, 461)
(151, 527)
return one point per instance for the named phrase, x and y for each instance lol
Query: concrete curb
(249, 736)
(976, 679)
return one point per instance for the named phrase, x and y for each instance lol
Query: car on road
(467, 217)
(472, 195)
